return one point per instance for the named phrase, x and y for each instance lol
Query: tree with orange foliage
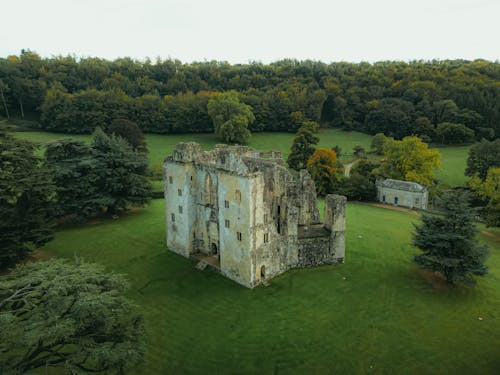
(325, 170)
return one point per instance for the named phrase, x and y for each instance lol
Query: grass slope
(453, 163)
(452, 169)
(374, 314)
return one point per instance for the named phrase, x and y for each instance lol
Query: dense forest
(441, 101)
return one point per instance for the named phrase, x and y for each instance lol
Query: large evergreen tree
(448, 242)
(27, 193)
(75, 174)
(68, 316)
(121, 180)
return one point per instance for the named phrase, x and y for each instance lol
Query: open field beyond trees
(377, 313)
(451, 172)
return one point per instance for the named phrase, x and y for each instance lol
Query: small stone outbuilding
(402, 193)
(243, 213)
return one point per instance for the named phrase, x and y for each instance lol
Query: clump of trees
(70, 316)
(325, 169)
(483, 167)
(167, 96)
(75, 180)
(410, 160)
(27, 195)
(303, 145)
(129, 131)
(230, 117)
(105, 176)
(447, 241)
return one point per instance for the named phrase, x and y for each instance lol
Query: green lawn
(374, 314)
(160, 145)
(453, 163)
(453, 159)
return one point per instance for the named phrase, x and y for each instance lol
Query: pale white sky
(254, 30)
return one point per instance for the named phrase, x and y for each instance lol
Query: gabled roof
(401, 185)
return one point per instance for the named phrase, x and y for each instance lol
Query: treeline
(443, 101)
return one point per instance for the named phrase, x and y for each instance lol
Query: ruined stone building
(243, 213)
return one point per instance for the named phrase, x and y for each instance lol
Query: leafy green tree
(359, 151)
(338, 150)
(444, 111)
(410, 160)
(230, 117)
(121, 173)
(448, 132)
(130, 131)
(303, 145)
(483, 156)
(70, 316)
(377, 144)
(489, 189)
(448, 242)
(27, 194)
(74, 170)
(325, 170)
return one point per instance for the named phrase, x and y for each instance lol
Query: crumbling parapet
(334, 220)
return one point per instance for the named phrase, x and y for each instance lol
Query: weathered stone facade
(246, 215)
(402, 193)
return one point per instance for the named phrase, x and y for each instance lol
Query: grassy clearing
(374, 314)
(453, 163)
(452, 169)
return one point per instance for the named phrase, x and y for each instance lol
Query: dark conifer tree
(27, 194)
(448, 242)
(303, 145)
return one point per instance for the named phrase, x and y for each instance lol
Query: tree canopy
(71, 316)
(489, 189)
(27, 195)
(167, 96)
(410, 160)
(325, 170)
(230, 117)
(303, 145)
(448, 242)
(483, 156)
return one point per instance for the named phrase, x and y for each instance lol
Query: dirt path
(491, 235)
(394, 208)
(348, 167)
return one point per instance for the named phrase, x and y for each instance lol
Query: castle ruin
(243, 213)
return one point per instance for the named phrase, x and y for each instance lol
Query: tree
(448, 241)
(27, 193)
(75, 173)
(448, 132)
(130, 131)
(70, 316)
(410, 160)
(303, 145)
(482, 156)
(377, 144)
(230, 117)
(359, 151)
(121, 173)
(489, 189)
(325, 170)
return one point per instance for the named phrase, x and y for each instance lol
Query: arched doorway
(213, 249)
(263, 272)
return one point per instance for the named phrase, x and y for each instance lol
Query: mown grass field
(453, 159)
(376, 314)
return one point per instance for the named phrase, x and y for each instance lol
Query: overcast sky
(254, 30)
